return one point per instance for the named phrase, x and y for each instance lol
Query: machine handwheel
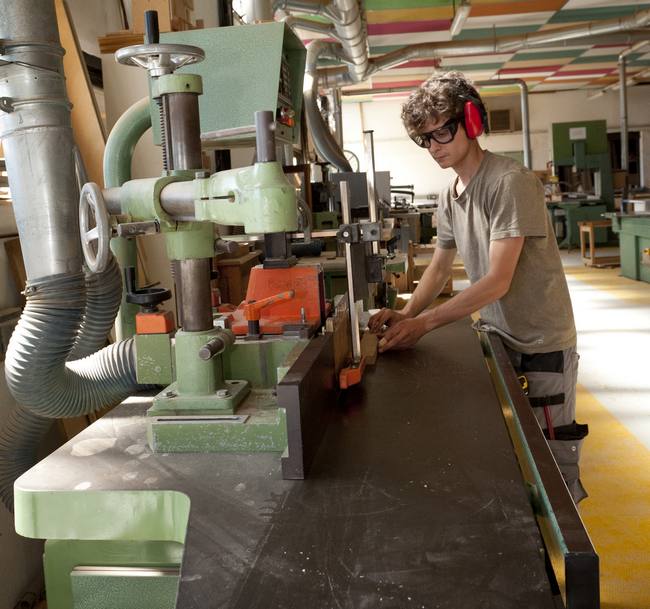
(162, 58)
(95, 241)
(353, 159)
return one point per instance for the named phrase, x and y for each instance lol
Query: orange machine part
(352, 375)
(160, 322)
(304, 281)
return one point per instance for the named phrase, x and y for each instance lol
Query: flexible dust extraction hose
(21, 435)
(56, 324)
(24, 429)
(36, 369)
(103, 298)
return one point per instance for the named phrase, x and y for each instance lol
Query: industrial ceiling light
(460, 16)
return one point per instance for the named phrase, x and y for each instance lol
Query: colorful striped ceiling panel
(394, 24)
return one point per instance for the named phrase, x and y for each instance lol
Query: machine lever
(216, 345)
(253, 309)
(148, 297)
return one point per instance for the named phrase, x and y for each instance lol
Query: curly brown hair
(441, 96)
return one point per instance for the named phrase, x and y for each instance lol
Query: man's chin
(443, 162)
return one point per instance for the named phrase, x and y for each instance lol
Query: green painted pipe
(118, 155)
(124, 136)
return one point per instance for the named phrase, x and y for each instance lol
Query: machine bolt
(223, 393)
(169, 394)
(6, 104)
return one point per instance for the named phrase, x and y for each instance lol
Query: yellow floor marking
(610, 281)
(615, 469)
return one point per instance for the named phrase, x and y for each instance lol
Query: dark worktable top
(414, 499)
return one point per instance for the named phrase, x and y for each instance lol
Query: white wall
(409, 164)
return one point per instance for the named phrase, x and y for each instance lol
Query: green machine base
(223, 401)
(634, 234)
(578, 212)
(243, 416)
(93, 574)
(258, 426)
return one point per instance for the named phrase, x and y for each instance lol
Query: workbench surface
(414, 499)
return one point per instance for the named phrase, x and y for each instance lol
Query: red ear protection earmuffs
(474, 118)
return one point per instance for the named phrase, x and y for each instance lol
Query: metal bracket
(349, 233)
(358, 232)
(133, 229)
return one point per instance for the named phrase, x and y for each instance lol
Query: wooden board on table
(339, 326)
(369, 344)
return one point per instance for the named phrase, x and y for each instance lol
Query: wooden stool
(586, 229)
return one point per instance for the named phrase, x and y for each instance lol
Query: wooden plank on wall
(16, 264)
(87, 126)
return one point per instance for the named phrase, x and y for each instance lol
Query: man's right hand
(385, 317)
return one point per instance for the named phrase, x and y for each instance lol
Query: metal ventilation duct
(349, 28)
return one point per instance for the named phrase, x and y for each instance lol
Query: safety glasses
(442, 135)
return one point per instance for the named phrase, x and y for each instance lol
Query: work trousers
(549, 382)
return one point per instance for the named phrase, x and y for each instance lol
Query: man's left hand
(403, 334)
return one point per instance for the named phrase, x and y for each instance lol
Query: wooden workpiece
(233, 275)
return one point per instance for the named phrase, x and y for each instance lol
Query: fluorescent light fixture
(461, 13)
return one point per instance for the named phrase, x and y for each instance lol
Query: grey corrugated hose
(53, 367)
(103, 299)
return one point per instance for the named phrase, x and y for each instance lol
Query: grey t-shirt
(503, 200)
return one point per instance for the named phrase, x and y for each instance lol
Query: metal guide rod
(338, 116)
(369, 147)
(265, 136)
(354, 318)
(625, 165)
(226, 133)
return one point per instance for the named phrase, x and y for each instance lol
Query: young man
(494, 214)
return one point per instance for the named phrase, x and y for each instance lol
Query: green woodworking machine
(430, 484)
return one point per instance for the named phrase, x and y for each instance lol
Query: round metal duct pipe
(324, 141)
(37, 138)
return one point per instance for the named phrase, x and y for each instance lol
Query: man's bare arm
(504, 255)
(433, 280)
